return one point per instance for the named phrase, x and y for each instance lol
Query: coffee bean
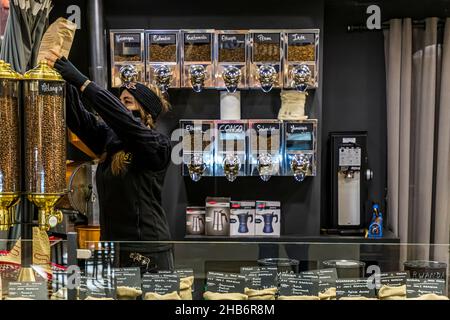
(197, 52)
(9, 138)
(232, 55)
(163, 53)
(45, 142)
(301, 53)
(266, 52)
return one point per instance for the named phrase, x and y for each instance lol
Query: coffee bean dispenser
(45, 141)
(266, 56)
(265, 148)
(163, 58)
(127, 48)
(300, 148)
(231, 147)
(9, 144)
(231, 59)
(301, 56)
(198, 148)
(197, 56)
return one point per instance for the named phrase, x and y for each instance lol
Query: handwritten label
(225, 282)
(163, 38)
(354, 288)
(52, 88)
(161, 283)
(129, 37)
(29, 290)
(128, 277)
(394, 279)
(299, 127)
(296, 285)
(267, 37)
(231, 41)
(301, 38)
(259, 278)
(419, 287)
(197, 38)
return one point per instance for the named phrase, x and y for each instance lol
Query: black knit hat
(148, 99)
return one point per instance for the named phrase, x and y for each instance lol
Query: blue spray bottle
(376, 225)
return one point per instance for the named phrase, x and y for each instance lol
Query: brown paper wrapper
(59, 37)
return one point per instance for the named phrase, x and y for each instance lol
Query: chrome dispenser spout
(196, 168)
(265, 166)
(231, 166)
(231, 77)
(267, 76)
(128, 74)
(301, 77)
(163, 76)
(300, 165)
(197, 74)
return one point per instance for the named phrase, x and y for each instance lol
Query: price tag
(354, 288)
(128, 277)
(225, 282)
(419, 287)
(298, 285)
(30, 290)
(160, 283)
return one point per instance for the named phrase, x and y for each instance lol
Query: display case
(127, 48)
(163, 58)
(290, 268)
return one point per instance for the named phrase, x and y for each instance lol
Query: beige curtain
(418, 115)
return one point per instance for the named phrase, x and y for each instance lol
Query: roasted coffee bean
(197, 52)
(232, 55)
(163, 53)
(119, 58)
(263, 143)
(45, 143)
(195, 142)
(9, 143)
(301, 53)
(266, 52)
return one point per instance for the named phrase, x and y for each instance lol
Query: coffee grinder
(350, 176)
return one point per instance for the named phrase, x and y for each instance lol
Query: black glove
(70, 73)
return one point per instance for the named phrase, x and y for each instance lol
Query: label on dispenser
(267, 37)
(128, 37)
(299, 127)
(197, 38)
(52, 88)
(163, 38)
(231, 41)
(301, 38)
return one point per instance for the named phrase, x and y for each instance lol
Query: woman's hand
(67, 70)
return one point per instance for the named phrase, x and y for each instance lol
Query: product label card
(51, 88)
(197, 38)
(30, 290)
(299, 127)
(231, 41)
(231, 128)
(266, 127)
(394, 279)
(91, 287)
(194, 127)
(326, 277)
(128, 277)
(161, 283)
(296, 285)
(225, 282)
(301, 38)
(162, 38)
(260, 277)
(354, 288)
(128, 37)
(267, 37)
(418, 287)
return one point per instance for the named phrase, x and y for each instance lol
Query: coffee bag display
(242, 218)
(217, 216)
(195, 220)
(268, 218)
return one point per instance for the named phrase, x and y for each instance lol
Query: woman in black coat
(133, 165)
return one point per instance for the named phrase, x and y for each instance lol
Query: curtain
(418, 122)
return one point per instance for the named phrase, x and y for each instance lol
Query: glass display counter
(228, 270)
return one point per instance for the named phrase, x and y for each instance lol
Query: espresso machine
(127, 48)
(198, 148)
(231, 146)
(265, 146)
(350, 176)
(300, 148)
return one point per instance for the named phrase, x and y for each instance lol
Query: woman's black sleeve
(91, 130)
(151, 147)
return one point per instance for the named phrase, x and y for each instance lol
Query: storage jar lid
(425, 264)
(343, 264)
(43, 72)
(6, 72)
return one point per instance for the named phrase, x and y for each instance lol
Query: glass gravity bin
(127, 48)
(231, 147)
(265, 145)
(301, 59)
(231, 57)
(163, 62)
(300, 148)
(198, 148)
